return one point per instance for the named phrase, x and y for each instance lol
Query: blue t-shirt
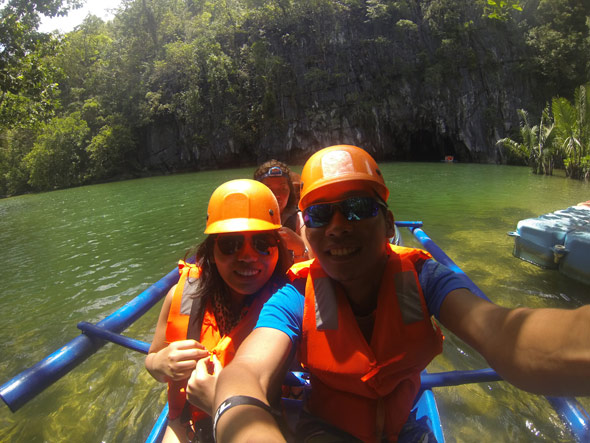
(284, 310)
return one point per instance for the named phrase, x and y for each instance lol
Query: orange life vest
(367, 389)
(223, 347)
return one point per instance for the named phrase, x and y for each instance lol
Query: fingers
(180, 355)
(187, 344)
(180, 358)
(206, 368)
(181, 371)
(216, 365)
(201, 371)
(201, 384)
(187, 350)
(196, 388)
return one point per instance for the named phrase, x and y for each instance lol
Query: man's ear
(389, 224)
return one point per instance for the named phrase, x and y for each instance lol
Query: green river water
(79, 254)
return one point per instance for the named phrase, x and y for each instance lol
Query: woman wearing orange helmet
(279, 178)
(216, 302)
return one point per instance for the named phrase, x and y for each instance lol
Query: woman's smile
(246, 270)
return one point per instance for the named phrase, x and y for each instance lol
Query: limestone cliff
(398, 85)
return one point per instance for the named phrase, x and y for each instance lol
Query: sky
(100, 8)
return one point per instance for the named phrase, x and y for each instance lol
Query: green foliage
(82, 59)
(582, 167)
(107, 151)
(58, 159)
(27, 78)
(451, 18)
(558, 39)
(407, 25)
(501, 10)
(563, 136)
(93, 114)
(377, 9)
(522, 149)
(14, 145)
(572, 121)
(28, 86)
(547, 147)
(28, 83)
(537, 145)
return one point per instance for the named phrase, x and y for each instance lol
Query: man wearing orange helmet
(216, 302)
(361, 317)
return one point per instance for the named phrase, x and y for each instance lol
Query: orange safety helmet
(338, 169)
(242, 205)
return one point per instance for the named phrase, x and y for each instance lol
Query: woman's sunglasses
(354, 209)
(229, 244)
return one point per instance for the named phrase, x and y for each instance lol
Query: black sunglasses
(229, 244)
(353, 208)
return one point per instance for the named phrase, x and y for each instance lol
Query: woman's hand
(200, 389)
(177, 360)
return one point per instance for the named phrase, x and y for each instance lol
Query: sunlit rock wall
(396, 87)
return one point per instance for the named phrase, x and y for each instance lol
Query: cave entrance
(427, 146)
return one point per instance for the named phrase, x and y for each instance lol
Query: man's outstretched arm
(545, 351)
(256, 371)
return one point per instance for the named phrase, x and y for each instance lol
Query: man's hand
(200, 389)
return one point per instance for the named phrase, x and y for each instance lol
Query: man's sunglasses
(229, 244)
(354, 209)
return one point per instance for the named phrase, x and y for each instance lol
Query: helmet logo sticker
(236, 203)
(337, 163)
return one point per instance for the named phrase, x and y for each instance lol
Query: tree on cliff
(27, 83)
(57, 159)
(559, 40)
(502, 9)
(28, 87)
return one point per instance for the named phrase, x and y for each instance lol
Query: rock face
(402, 89)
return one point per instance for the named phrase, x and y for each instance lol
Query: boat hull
(558, 240)
(576, 263)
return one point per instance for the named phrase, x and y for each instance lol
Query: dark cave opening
(428, 146)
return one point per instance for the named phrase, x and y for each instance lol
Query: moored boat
(557, 240)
